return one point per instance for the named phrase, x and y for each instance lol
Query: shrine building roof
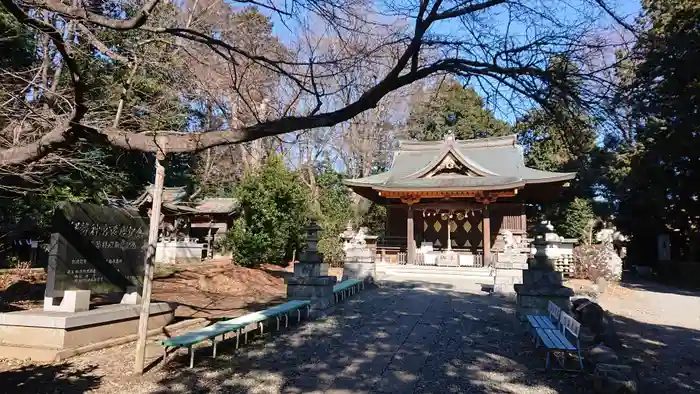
(487, 164)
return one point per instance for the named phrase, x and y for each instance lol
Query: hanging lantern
(460, 215)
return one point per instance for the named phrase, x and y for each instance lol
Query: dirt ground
(210, 289)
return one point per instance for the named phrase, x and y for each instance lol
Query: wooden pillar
(410, 242)
(486, 228)
(523, 219)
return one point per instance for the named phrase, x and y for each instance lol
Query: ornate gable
(450, 166)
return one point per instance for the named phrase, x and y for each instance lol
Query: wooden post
(411, 243)
(449, 231)
(486, 228)
(148, 265)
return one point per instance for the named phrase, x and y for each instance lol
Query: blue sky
(566, 9)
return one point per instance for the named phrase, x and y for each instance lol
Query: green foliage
(451, 107)
(274, 208)
(561, 138)
(335, 212)
(658, 192)
(374, 219)
(578, 220)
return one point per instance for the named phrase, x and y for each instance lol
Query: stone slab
(50, 338)
(69, 320)
(312, 281)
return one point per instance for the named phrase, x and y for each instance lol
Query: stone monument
(359, 259)
(541, 283)
(311, 280)
(94, 250)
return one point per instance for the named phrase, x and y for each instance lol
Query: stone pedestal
(311, 281)
(359, 264)
(366, 272)
(538, 288)
(317, 289)
(72, 301)
(508, 272)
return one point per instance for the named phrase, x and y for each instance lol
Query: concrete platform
(43, 336)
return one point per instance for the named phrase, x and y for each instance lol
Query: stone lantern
(541, 283)
(311, 281)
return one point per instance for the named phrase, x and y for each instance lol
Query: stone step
(413, 270)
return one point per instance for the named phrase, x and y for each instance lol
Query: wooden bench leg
(246, 337)
(286, 320)
(298, 316)
(261, 328)
(308, 311)
(213, 340)
(278, 322)
(191, 353)
(238, 338)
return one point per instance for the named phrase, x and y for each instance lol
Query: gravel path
(412, 338)
(660, 330)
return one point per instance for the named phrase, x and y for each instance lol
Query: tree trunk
(148, 266)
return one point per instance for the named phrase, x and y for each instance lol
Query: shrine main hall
(448, 201)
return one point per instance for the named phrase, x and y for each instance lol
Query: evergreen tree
(452, 107)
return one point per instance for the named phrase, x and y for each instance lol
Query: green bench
(220, 329)
(350, 286)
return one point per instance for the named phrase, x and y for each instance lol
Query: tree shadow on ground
(666, 358)
(404, 338)
(55, 378)
(656, 285)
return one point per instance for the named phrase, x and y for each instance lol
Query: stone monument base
(366, 272)
(317, 289)
(72, 301)
(538, 288)
(47, 336)
(508, 273)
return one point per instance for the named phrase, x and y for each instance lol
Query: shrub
(274, 212)
(335, 208)
(590, 262)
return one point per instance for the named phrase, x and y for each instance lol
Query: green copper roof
(481, 164)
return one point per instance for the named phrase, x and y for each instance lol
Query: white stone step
(413, 270)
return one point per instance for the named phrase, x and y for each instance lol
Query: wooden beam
(414, 196)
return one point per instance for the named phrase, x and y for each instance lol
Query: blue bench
(550, 322)
(558, 340)
(553, 332)
(220, 329)
(346, 287)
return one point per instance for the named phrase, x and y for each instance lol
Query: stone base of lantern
(317, 289)
(538, 288)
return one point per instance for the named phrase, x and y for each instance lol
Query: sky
(564, 9)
